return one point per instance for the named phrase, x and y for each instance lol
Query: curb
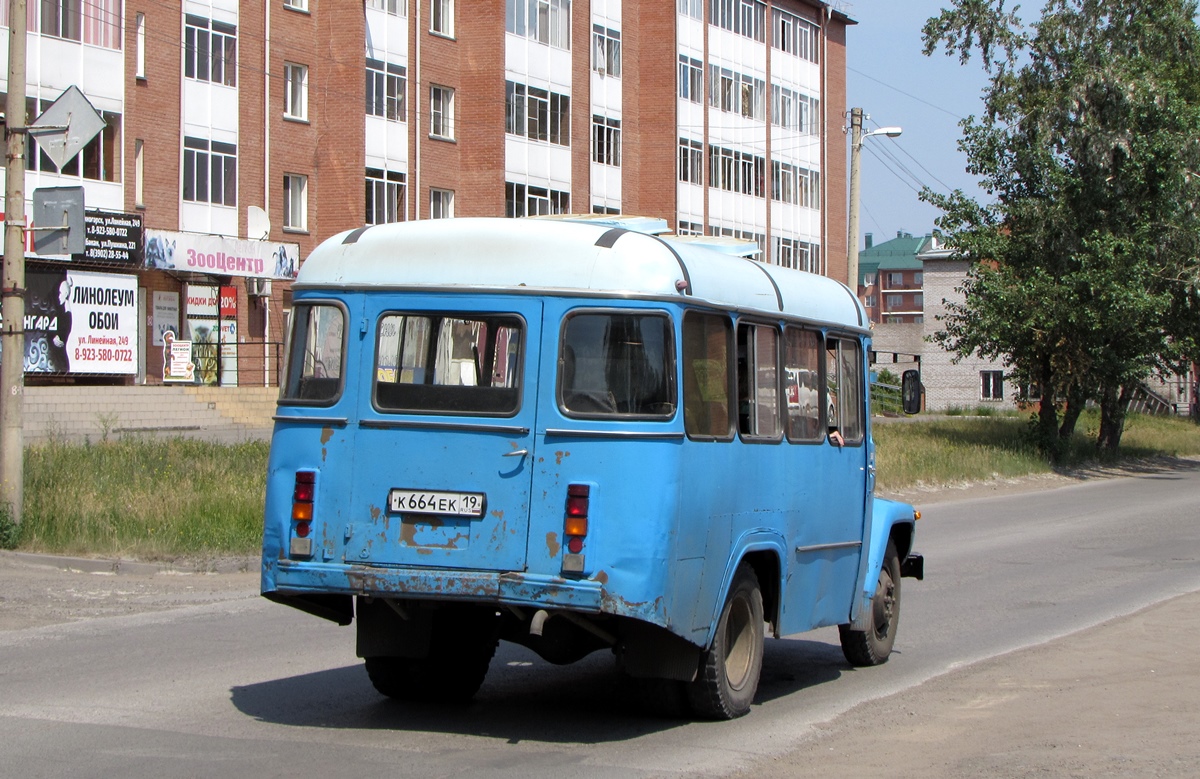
(223, 565)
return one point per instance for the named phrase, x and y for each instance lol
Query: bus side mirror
(910, 390)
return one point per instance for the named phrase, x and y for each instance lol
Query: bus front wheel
(729, 669)
(873, 645)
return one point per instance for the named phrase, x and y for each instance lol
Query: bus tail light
(303, 493)
(575, 526)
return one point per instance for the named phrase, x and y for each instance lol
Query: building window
(691, 161)
(441, 204)
(810, 187)
(606, 140)
(795, 111)
(387, 90)
(393, 7)
(295, 93)
(209, 172)
(140, 37)
(918, 278)
(537, 114)
(735, 171)
(692, 8)
(736, 93)
(295, 202)
(895, 280)
(387, 196)
(441, 112)
(690, 228)
(691, 79)
(797, 254)
(794, 35)
(602, 209)
(992, 385)
(870, 301)
(545, 21)
(139, 169)
(744, 17)
(210, 51)
(442, 17)
(61, 19)
(606, 51)
(302, 5)
(894, 302)
(523, 200)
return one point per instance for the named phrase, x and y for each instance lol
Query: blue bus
(577, 435)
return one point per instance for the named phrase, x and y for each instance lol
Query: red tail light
(303, 493)
(575, 526)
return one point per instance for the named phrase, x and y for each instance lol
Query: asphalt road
(221, 683)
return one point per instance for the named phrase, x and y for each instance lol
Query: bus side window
(758, 383)
(706, 375)
(315, 362)
(801, 381)
(844, 388)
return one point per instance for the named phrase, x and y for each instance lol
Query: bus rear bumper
(501, 588)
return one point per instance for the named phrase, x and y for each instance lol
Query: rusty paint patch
(552, 545)
(601, 576)
(498, 514)
(375, 512)
(326, 435)
(558, 457)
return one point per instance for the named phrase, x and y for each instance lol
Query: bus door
(845, 467)
(445, 441)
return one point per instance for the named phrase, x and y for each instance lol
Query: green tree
(1084, 278)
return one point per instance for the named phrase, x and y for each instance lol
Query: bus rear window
(448, 364)
(314, 370)
(617, 363)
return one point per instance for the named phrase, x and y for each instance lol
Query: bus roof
(568, 257)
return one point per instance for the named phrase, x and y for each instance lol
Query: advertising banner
(220, 256)
(165, 317)
(112, 237)
(229, 353)
(177, 359)
(80, 322)
(201, 301)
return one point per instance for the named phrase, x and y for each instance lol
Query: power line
(906, 94)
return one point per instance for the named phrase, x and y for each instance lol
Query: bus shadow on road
(524, 698)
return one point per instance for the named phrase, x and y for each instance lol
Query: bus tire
(729, 669)
(452, 673)
(872, 646)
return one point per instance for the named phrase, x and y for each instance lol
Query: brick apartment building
(236, 136)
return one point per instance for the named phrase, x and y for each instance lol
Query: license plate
(454, 504)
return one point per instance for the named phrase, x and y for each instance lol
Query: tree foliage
(1084, 277)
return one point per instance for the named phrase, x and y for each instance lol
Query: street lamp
(857, 136)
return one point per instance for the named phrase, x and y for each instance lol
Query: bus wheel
(729, 669)
(459, 656)
(873, 645)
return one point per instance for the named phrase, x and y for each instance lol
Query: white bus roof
(568, 257)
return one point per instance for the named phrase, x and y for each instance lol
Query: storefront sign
(202, 300)
(112, 237)
(79, 322)
(228, 302)
(219, 256)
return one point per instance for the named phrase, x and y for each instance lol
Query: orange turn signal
(576, 526)
(302, 512)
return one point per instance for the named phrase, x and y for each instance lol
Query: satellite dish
(258, 224)
(69, 124)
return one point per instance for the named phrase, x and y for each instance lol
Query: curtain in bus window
(802, 371)
(706, 399)
(448, 364)
(617, 364)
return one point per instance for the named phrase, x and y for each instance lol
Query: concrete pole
(12, 287)
(856, 122)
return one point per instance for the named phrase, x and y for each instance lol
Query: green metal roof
(899, 253)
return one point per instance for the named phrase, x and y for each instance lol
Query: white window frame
(139, 171)
(296, 5)
(441, 17)
(295, 202)
(991, 385)
(388, 193)
(140, 38)
(201, 155)
(202, 62)
(295, 91)
(441, 112)
(606, 51)
(606, 140)
(441, 203)
(393, 7)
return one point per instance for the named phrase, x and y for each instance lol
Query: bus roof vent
(735, 247)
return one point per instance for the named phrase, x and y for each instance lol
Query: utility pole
(12, 286)
(857, 136)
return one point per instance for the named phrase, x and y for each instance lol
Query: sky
(895, 84)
